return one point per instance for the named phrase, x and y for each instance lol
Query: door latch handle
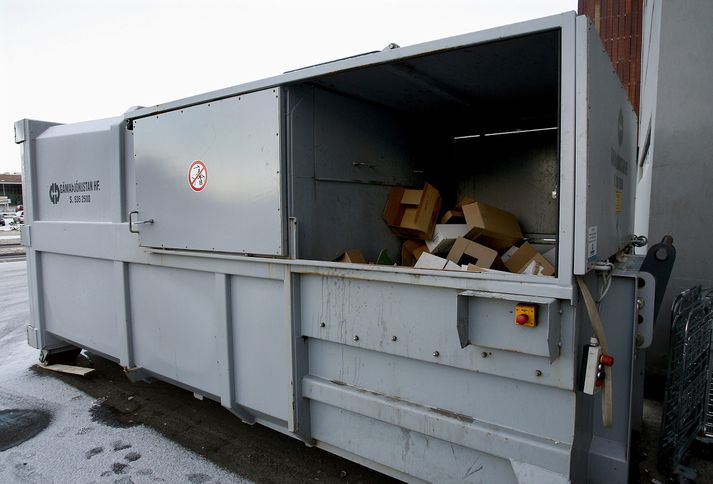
(138, 222)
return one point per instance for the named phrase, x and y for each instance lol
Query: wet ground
(253, 451)
(103, 428)
(20, 425)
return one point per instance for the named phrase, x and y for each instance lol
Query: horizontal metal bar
(112, 241)
(461, 430)
(501, 133)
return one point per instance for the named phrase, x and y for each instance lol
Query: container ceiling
(507, 84)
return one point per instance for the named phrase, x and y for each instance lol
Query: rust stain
(447, 413)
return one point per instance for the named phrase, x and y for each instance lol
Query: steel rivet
(356, 338)
(322, 325)
(394, 338)
(436, 354)
(538, 372)
(484, 354)
(639, 339)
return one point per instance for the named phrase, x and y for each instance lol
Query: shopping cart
(688, 407)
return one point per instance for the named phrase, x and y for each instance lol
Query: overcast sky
(75, 60)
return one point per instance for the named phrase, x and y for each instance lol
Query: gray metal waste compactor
(193, 241)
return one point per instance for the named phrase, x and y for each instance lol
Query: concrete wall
(677, 119)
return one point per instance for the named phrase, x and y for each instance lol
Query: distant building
(10, 190)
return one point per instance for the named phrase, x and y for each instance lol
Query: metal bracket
(20, 135)
(138, 222)
(26, 236)
(240, 412)
(659, 263)
(137, 374)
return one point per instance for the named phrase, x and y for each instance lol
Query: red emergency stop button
(606, 360)
(526, 315)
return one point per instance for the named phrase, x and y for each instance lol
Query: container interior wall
(517, 172)
(480, 121)
(346, 155)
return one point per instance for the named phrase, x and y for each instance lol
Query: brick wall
(619, 25)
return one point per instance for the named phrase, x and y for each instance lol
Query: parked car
(8, 219)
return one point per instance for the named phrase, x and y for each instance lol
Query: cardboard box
(452, 217)
(443, 237)
(412, 213)
(466, 251)
(411, 250)
(474, 268)
(430, 261)
(464, 201)
(455, 215)
(491, 226)
(526, 260)
(353, 256)
(451, 266)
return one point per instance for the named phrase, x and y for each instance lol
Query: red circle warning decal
(197, 176)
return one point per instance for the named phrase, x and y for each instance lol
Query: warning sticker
(592, 243)
(197, 176)
(617, 202)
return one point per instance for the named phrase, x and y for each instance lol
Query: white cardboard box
(443, 237)
(430, 261)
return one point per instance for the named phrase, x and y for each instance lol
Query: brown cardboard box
(412, 213)
(353, 256)
(474, 268)
(491, 226)
(472, 252)
(464, 201)
(455, 215)
(411, 251)
(526, 260)
(452, 217)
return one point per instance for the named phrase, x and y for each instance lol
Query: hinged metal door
(606, 133)
(208, 177)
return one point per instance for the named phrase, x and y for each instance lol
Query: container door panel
(606, 155)
(209, 176)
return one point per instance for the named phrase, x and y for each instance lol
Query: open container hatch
(481, 121)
